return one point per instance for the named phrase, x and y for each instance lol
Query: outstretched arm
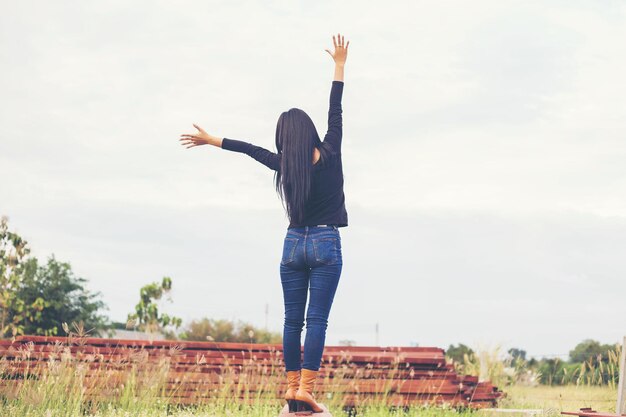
(267, 158)
(335, 121)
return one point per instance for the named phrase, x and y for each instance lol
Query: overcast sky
(483, 152)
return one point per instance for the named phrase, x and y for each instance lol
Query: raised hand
(341, 51)
(190, 140)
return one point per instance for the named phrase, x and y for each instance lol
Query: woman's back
(326, 201)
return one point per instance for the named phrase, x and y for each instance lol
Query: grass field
(133, 384)
(550, 400)
(554, 399)
(567, 397)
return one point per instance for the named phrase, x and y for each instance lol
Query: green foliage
(36, 299)
(227, 331)
(601, 369)
(552, 371)
(146, 313)
(517, 354)
(517, 360)
(15, 312)
(66, 299)
(458, 353)
(590, 363)
(590, 350)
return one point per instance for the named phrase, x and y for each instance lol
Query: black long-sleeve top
(326, 203)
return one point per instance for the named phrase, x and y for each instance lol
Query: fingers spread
(189, 140)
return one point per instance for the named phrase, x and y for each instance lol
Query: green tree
(595, 363)
(517, 354)
(551, 371)
(66, 299)
(146, 313)
(220, 330)
(517, 360)
(15, 312)
(457, 353)
(590, 351)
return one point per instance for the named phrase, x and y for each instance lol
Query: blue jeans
(311, 263)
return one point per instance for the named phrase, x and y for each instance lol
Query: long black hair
(296, 137)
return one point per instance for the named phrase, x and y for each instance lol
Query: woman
(309, 180)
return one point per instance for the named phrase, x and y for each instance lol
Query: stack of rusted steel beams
(196, 372)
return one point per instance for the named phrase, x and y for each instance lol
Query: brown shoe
(293, 381)
(305, 390)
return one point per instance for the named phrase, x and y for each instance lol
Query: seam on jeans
(304, 248)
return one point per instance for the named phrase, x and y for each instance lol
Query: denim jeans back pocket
(327, 250)
(289, 250)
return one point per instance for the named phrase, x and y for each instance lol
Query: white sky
(484, 152)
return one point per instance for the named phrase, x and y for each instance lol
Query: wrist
(215, 141)
(338, 72)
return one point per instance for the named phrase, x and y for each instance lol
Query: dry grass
(76, 379)
(134, 384)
